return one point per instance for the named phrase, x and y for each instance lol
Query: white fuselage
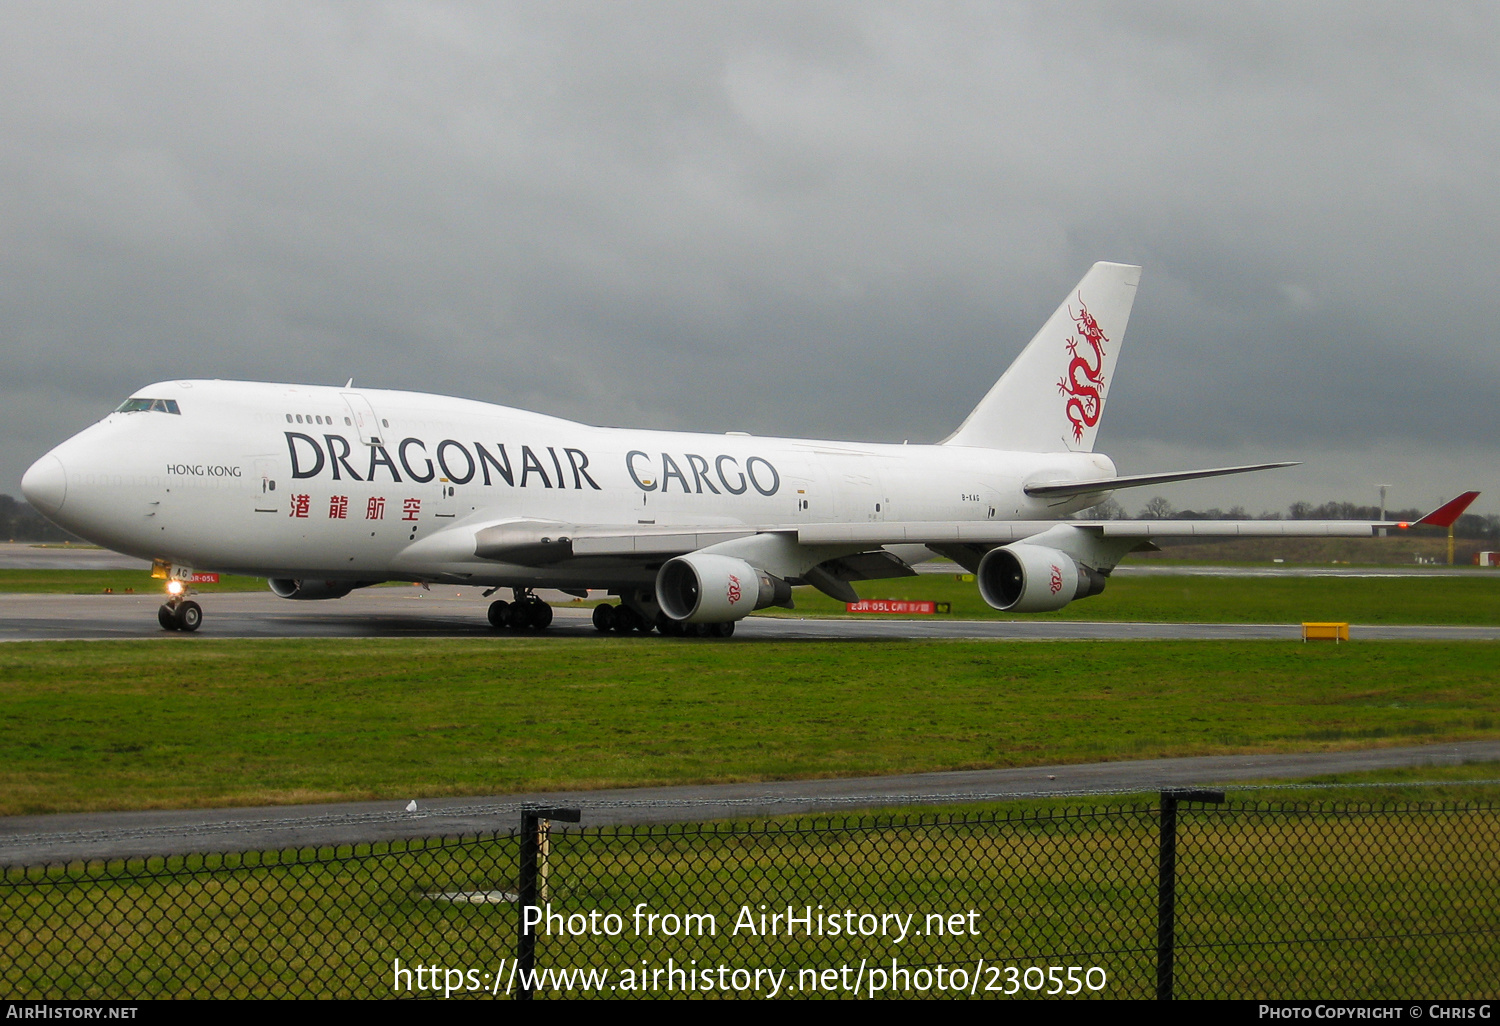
(363, 484)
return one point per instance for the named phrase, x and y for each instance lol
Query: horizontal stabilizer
(1107, 484)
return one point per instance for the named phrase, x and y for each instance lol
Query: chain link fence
(1237, 900)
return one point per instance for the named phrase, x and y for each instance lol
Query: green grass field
(207, 723)
(1167, 599)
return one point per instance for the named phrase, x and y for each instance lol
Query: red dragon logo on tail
(1084, 381)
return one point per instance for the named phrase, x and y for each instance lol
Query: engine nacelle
(1023, 578)
(703, 587)
(289, 588)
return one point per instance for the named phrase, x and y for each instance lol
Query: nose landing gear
(179, 614)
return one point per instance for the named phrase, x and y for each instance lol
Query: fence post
(534, 841)
(1166, 883)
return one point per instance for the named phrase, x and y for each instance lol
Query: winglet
(1448, 512)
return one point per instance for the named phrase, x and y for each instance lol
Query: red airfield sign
(905, 607)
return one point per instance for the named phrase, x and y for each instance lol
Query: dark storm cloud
(812, 219)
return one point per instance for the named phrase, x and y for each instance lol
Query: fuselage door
(807, 482)
(446, 507)
(363, 415)
(859, 489)
(263, 482)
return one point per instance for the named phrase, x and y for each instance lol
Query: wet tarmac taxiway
(30, 840)
(411, 612)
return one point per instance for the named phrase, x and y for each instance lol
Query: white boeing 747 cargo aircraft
(324, 490)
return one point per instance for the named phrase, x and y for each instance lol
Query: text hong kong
(545, 466)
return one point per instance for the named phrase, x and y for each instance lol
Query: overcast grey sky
(825, 219)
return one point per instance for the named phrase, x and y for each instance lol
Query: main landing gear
(623, 619)
(526, 612)
(179, 613)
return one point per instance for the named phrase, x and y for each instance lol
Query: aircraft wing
(1072, 557)
(542, 542)
(1004, 532)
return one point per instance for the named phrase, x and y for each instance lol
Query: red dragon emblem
(1056, 582)
(1084, 380)
(734, 588)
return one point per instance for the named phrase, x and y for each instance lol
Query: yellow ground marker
(1334, 632)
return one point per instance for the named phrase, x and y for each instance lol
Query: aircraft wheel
(497, 613)
(625, 619)
(189, 616)
(167, 617)
(669, 627)
(722, 630)
(604, 617)
(517, 616)
(539, 615)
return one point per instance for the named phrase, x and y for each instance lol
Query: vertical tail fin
(1052, 396)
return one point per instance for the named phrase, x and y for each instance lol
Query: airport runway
(31, 840)
(460, 612)
(411, 612)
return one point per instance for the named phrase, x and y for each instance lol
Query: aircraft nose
(45, 485)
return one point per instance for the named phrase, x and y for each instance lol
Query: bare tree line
(19, 522)
(1470, 525)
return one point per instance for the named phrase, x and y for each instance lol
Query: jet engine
(703, 587)
(288, 588)
(1023, 578)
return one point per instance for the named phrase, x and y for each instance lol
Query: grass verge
(95, 582)
(212, 723)
(1371, 600)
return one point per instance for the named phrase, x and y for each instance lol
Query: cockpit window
(153, 405)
